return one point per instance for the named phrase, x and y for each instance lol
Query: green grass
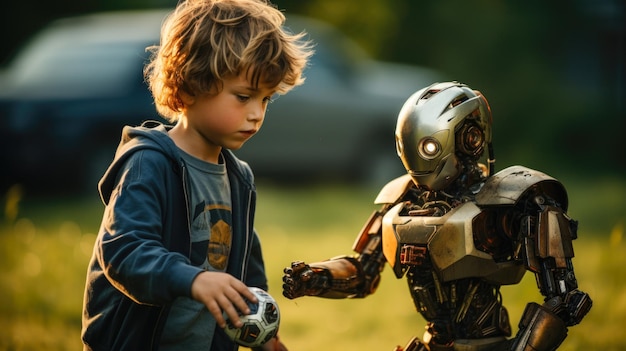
(45, 245)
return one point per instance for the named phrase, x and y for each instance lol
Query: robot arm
(547, 241)
(343, 276)
(549, 253)
(336, 278)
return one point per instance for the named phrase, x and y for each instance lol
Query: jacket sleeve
(130, 246)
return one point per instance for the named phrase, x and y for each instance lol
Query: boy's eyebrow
(248, 87)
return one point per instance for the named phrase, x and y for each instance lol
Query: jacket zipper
(248, 233)
(186, 193)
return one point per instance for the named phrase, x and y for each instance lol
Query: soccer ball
(260, 325)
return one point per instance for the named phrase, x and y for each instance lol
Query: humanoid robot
(457, 232)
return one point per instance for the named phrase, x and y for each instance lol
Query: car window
(82, 69)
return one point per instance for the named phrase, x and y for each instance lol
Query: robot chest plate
(447, 242)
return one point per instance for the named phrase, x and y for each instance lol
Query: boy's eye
(243, 98)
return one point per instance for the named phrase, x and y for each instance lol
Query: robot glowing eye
(429, 148)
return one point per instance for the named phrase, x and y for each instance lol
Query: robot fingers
(295, 279)
(299, 268)
(301, 279)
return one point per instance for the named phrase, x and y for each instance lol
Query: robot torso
(456, 252)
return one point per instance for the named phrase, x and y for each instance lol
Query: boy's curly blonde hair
(205, 41)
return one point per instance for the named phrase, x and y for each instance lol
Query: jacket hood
(150, 135)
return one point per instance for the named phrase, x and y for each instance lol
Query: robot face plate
(435, 125)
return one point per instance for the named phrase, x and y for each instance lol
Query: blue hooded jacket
(140, 262)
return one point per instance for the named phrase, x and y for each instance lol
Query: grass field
(45, 245)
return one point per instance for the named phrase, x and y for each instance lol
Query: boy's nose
(257, 113)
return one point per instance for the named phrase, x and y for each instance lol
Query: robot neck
(469, 182)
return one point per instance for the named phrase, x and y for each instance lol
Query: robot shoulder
(507, 187)
(393, 191)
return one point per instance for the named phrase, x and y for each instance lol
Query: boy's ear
(186, 99)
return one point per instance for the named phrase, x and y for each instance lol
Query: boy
(177, 246)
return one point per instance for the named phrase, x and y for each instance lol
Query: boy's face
(229, 118)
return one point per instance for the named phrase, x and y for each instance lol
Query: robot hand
(300, 280)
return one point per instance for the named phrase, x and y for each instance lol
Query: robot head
(440, 130)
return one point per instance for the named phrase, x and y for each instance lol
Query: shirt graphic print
(211, 236)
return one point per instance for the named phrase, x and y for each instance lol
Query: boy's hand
(222, 292)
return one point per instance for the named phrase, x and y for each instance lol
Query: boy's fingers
(235, 303)
(239, 297)
(216, 311)
(248, 295)
(233, 316)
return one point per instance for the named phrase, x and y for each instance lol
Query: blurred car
(68, 93)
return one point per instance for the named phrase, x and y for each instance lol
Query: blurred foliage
(552, 71)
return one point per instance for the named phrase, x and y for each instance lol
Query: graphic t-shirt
(189, 325)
